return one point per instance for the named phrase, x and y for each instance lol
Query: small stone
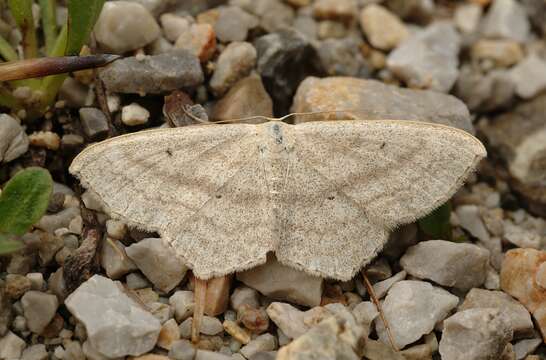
(124, 26)
(342, 10)
(36, 281)
(255, 320)
(210, 355)
(234, 63)
(151, 357)
(329, 29)
(92, 201)
(375, 100)
(244, 99)
(529, 76)
(35, 352)
(506, 19)
(383, 29)
(343, 57)
(285, 58)
(382, 287)
(462, 266)
(185, 328)
(412, 309)
(94, 123)
(168, 335)
(45, 139)
(211, 326)
(520, 236)
(525, 347)
(264, 342)
(283, 283)
(237, 332)
(289, 319)
(274, 15)
(39, 309)
(522, 148)
(114, 260)
(467, 17)
(136, 281)
(162, 312)
(422, 351)
(518, 278)
(365, 313)
(16, 285)
(428, 59)
(378, 270)
(11, 346)
(330, 339)
(73, 351)
(116, 325)
(182, 350)
(174, 25)
(183, 304)
(147, 296)
(470, 220)
(475, 334)
(217, 295)
(156, 74)
(134, 114)
(200, 41)
(519, 317)
(155, 259)
(116, 229)
(503, 53)
(233, 24)
(13, 139)
(244, 296)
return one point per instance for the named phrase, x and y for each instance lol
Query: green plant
(437, 224)
(82, 15)
(23, 202)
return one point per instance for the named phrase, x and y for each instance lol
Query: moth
(323, 195)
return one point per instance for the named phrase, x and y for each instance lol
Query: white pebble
(134, 114)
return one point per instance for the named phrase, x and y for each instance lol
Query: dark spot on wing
(169, 152)
(277, 134)
(382, 145)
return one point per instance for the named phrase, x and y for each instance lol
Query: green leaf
(7, 51)
(24, 200)
(48, 9)
(8, 246)
(22, 13)
(82, 15)
(436, 224)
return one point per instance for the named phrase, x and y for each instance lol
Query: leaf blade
(82, 15)
(24, 200)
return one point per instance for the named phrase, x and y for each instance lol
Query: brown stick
(200, 296)
(32, 68)
(375, 300)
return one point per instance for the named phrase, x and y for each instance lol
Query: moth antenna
(337, 112)
(186, 109)
(375, 300)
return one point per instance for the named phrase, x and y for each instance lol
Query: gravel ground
(87, 286)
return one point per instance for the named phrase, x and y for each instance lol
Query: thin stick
(200, 296)
(375, 300)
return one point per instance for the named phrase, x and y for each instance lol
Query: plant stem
(49, 23)
(22, 13)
